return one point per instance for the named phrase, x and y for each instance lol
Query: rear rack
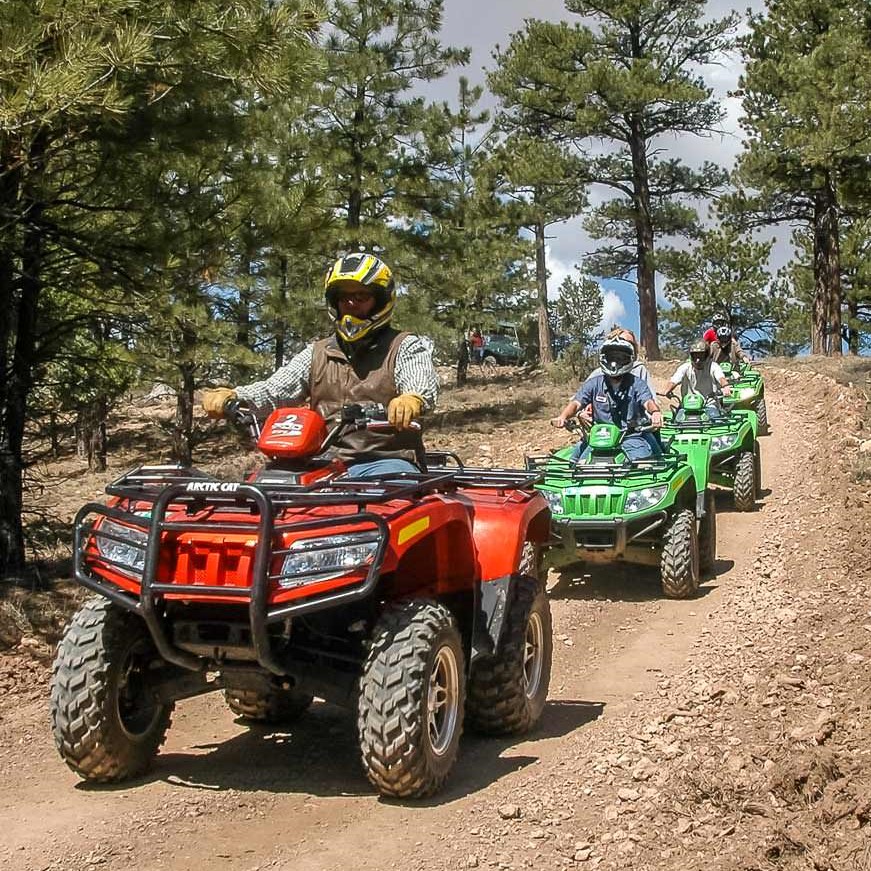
(151, 491)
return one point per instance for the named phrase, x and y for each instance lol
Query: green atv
(608, 508)
(748, 391)
(729, 443)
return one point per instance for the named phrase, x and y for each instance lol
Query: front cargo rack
(550, 465)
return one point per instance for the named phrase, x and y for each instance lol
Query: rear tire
(679, 564)
(708, 534)
(276, 706)
(744, 485)
(412, 699)
(508, 690)
(108, 724)
(531, 560)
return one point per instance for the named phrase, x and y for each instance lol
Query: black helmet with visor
(616, 357)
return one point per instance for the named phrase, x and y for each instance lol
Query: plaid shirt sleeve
(415, 372)
(288, 384)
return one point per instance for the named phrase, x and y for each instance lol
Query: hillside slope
(728, 732)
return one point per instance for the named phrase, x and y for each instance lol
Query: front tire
(762, 415)
(412, 699)
(508, 690)
(108, 724)
(679, 564)
(708, 534)
(744, 485)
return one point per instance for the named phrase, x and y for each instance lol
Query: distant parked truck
(503, 347)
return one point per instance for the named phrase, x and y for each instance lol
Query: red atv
(413, 598)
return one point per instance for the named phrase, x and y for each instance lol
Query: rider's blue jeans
(379, 468)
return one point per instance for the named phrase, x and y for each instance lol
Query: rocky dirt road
(727, 732)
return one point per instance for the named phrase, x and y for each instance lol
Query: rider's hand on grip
(403, 409)
(215, 399)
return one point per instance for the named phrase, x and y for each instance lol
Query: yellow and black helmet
(364, 271)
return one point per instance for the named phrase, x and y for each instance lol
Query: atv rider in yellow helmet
(364, 361)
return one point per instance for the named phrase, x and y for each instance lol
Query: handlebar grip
(383, 424)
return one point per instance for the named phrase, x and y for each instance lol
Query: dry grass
(37, 615)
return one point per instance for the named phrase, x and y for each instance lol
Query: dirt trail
(227, 797)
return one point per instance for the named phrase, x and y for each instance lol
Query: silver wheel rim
(533, 655)
(443, 700)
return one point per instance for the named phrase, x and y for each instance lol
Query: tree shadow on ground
(320, 756)
(613, 582)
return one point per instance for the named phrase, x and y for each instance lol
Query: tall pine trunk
(11, 535)
(647, 313)
(281, 321)
(545, 350)
(355, 198)
(19, 375)
(182, 434)
(826, 306)
(852, 334)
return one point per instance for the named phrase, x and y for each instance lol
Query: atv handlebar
(369, 415)
(242, 415)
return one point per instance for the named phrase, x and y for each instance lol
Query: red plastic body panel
(293, 433)
(439, 544)
(503, 521)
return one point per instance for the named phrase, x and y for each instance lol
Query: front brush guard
(260, 615)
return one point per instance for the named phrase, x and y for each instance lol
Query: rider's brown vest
(368, 376)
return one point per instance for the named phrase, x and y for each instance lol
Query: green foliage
(805, 95)
(724, 274)
(578, 310)
(465, 259)
(627, 76)
(364, 126)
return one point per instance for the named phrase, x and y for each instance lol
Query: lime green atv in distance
(607, 508)
(729, 444)
(748, 392)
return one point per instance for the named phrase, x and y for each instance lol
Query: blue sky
(483, 24)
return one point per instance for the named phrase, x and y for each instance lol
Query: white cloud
(613, 310)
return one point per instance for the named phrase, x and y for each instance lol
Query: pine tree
(86, 89)
(629, 82)
(364, 124)
(464, 258)
(805, 100)
(725, 273)
(543, 179)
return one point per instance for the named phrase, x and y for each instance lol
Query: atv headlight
(126, 547)
(746, 393)
(723, 442)
(320, 559)
(640, 500)
(554, 500)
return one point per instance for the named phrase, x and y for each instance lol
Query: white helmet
(616, 357)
